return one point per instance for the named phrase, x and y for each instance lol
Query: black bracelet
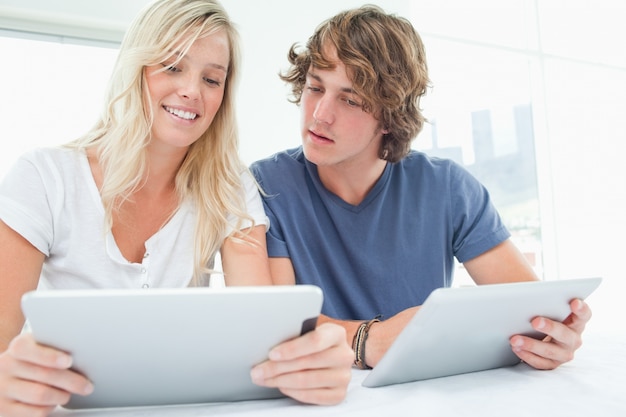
(358, 342)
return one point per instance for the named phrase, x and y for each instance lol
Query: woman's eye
(170, 68)
(213, 82)
(314, 89)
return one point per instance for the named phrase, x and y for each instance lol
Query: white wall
(585, 99)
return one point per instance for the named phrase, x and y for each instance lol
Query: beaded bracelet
(358, 343)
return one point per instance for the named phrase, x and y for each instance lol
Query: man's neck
(351, 183)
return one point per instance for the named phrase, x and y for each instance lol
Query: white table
(594, 383)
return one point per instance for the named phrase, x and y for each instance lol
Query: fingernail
(88, 389)
(274, 355)
(517, 342)
(64, 361)
(256, 374)
(541, 323)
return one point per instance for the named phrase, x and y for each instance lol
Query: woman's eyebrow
(182, 57)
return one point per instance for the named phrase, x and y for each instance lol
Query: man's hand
(561, 341)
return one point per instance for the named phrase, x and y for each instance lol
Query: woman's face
(186, 96)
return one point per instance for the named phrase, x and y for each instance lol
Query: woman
(145, 199)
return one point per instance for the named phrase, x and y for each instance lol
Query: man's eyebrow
(314, 76)
(319, 79)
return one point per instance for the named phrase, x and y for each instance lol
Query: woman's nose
(189, 88)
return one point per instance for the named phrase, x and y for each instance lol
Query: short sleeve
(276, 244)
(476, 223)
(25, 202)
(253, 202)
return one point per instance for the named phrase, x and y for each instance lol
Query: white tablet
(170, 346)
(467, 329)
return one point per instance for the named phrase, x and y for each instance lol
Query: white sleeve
(26, 199)
(254, 204)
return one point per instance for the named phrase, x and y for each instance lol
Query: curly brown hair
(386, 60)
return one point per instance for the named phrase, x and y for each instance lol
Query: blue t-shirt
(393, 249)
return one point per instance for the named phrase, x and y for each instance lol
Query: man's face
(335, 128)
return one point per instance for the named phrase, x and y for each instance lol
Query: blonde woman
(145, 199)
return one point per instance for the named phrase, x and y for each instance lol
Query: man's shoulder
(415, 157)
(282, 170)
(422, 170)
(280, 163)
(424, 164)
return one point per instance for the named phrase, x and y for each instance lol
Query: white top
(51, 199)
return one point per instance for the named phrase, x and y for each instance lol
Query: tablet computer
(170, 346)
(467, 329)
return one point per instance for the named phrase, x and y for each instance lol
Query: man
(376, 225)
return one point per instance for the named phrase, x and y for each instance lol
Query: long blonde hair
(210, 175)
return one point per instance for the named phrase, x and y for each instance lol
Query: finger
(536, 361)
(558, 333)
(321, 386)
(311, 379)
(323, 337)
(35, 394)
(25, 348)
(17, 409)
(581, 314)
(57, 379)
(540, 354)
(339, 357)
(27, 360)
(316, 396)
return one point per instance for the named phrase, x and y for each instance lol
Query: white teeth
(182, 114)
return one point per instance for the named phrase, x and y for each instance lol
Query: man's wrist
(359, 340)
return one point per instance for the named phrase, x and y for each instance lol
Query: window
(52, 92)
(481, 110)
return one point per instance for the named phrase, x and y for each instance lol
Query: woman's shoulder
(56, 155)
(50, 167)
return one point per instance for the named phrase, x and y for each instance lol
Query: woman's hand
(34, 379)
(315, 368)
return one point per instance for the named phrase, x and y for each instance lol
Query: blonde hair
(210, 175)
(386, 60)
